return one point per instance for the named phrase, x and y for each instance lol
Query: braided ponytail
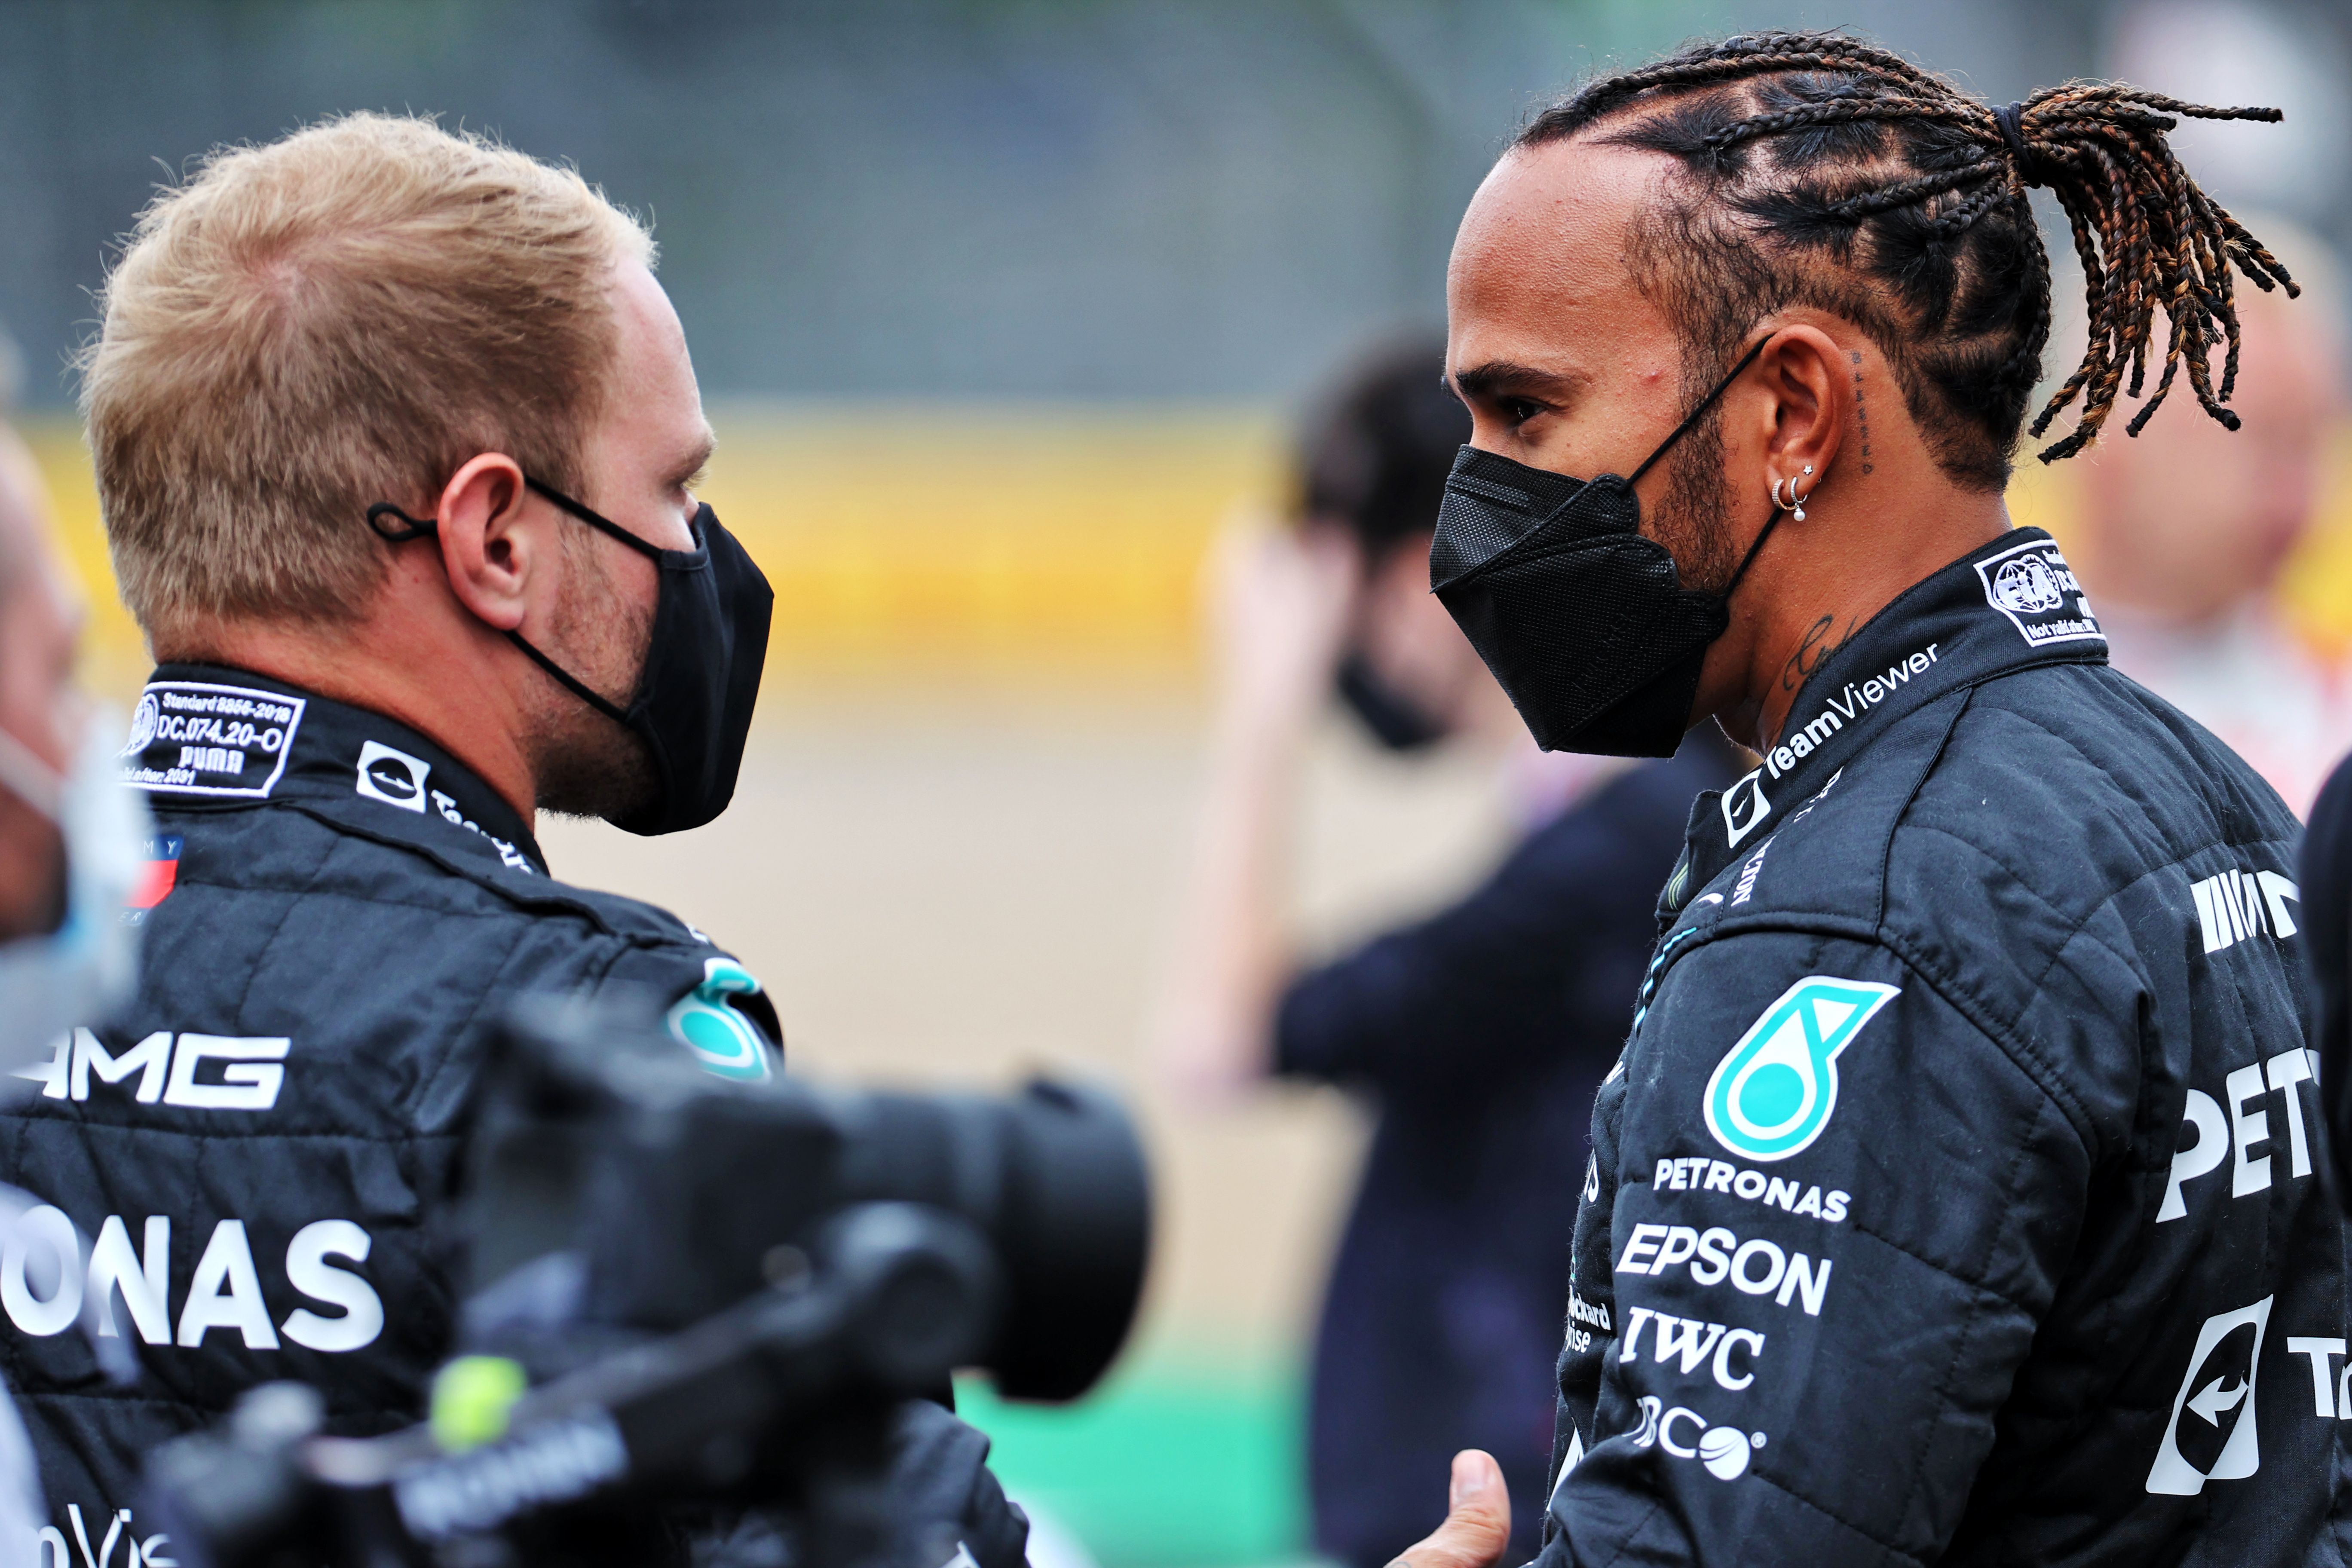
(1885, 195)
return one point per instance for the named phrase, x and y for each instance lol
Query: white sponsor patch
(197, 739)
(393, 777)
(2212, 1435)
(2031, 584)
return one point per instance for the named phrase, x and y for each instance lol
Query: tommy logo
(1772, 1093)
(1744, 807)
(2031, 584)
(393, 777)
(157, 876)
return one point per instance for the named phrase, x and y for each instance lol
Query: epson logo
(393, 777)
(195, 1072)
(1756, 1267)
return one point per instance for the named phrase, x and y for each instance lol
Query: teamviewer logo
(2212, 1435)
(393, 777)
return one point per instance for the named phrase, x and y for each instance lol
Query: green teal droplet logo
(723, 1041)
(1772, 1093)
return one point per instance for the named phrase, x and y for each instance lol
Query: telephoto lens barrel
(684, 1193)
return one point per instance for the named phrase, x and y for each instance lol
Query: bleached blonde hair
(344, 316)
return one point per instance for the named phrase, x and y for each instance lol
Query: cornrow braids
(1883, 193)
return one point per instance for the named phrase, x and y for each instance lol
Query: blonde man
(397, 437)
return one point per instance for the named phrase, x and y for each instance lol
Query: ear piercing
(1795, 504)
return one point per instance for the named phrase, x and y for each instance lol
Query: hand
(1281, 600)
(1478, 1528)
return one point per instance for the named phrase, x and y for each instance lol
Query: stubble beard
(584, 764)
(1694, 516)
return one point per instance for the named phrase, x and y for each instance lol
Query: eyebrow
(1497, 377)
(695, 463)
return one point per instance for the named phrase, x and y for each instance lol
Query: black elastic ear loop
(1704, 405)
(425, 528)
(418, 527)
(603, 524)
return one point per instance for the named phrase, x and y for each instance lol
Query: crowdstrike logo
(1773, 1092)
(393, 777)
(2212, 1435)
(1744, 807)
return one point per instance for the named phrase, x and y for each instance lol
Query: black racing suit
(256, 1151)
(1960, 1196)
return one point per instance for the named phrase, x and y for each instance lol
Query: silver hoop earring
(1784, 505)
(1797, 502)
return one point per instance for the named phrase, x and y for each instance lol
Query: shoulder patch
(721, 1038)
(193, 738)
(1772, 1093)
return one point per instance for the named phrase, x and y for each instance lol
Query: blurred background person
(1479, 1033)
(2186, 530)
(71, 850)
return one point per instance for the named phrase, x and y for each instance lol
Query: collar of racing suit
(207, 737)
(2006, 605)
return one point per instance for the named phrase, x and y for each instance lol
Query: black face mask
(1394, 720)
(694, 696)
(1584, 622)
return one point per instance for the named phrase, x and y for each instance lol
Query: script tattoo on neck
(1862, 412)
(1813, 651)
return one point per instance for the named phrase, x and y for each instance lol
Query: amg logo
(248, 1076)
(2236, 905)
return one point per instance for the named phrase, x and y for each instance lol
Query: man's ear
(1810, 386)
(488, 547)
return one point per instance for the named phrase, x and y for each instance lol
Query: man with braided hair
(1957, 1195)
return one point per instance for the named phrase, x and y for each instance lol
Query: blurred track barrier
(913, 544)
(916, 545)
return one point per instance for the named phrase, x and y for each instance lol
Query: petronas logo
(1772, 1093)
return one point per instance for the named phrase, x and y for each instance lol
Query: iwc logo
(1772, 1093)
(2212, 1435)
(393, 777)
(2034, 587)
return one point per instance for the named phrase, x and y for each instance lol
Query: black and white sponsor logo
(1844, 707)
(46, 1276)
(2034, 587)
(2227, 1128)
(1700, 1174)
(471, 1492)
(1745, 888)
(1754, 1267)
(1695, 1345)
(393, 777)
(509, 855)
(1744, 807)
(50, 1551)
(1685, 1434)
(193, 738)
(192, 1071)
(2236, 906)
(1585, 1319)
(2212, 1435)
